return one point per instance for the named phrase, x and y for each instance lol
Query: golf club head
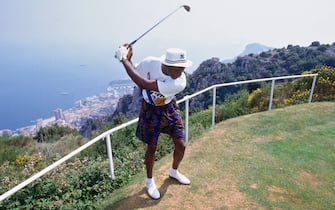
(187, 8)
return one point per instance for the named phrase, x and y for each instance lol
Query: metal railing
(107, 135)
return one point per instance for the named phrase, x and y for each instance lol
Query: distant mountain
(253, 48)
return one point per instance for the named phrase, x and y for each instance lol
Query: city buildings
(90, 107)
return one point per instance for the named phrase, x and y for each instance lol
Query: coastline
(87, 108)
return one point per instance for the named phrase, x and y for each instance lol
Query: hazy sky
(213, 28)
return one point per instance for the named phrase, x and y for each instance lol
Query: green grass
(288, 157)
(282, 159)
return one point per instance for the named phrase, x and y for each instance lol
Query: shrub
(258, 100)
(236, 105)
(199, 122)
(11, 147)
(325, 84)
(53, 133)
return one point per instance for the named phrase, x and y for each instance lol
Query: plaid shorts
(154, 120)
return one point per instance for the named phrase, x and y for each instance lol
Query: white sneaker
(152, 189)
(174, 173)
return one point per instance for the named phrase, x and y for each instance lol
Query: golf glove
(122, 52)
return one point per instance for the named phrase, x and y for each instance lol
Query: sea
(33, 83)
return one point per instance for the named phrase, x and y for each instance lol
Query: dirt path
(210, 189)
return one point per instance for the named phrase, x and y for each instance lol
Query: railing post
(110, 157)
(312, 89)
(271, 94)
(187, 102)
(213, 109)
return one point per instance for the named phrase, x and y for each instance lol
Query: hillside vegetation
(292, 60)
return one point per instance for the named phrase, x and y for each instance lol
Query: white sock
(174, 171)
(149, 181)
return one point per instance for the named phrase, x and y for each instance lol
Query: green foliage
(258, 99)
(76, 185)
(10, 147)
(296, 91)
(63, 146)
(199, 122)
(234, 105)
(325, 84)
(53, 133)
(299, 91)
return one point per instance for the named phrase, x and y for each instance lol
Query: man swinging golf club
(160, 79)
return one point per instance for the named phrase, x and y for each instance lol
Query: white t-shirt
(151, 68)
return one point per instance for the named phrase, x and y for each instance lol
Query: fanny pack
(155, 98)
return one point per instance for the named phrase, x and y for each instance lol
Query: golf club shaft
(187, 8)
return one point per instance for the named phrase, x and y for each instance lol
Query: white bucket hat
(176, 57)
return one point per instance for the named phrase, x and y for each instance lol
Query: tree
(53, 133)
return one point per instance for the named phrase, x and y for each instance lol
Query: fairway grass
(287, 157)
(281, 159)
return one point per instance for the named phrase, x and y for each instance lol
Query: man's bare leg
(178, 153)
(150, 159)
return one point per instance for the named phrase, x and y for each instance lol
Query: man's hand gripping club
(124, 52)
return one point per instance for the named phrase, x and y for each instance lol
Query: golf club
(186, 7)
